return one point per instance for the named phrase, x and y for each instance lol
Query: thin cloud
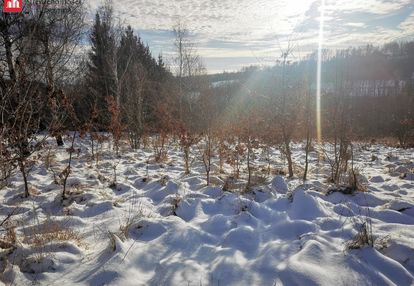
(253, 29)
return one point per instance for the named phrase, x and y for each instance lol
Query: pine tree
(101, 77)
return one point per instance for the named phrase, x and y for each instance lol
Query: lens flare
(319, 74)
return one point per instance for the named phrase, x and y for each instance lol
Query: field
(129, 220)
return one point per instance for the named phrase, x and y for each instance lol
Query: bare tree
(20, 122)
(285, 104)
(206, 151)
(188, 69)
(339, 126)
(55, 33)
(208, 111)
(308, 127)
(187, 61)
(39, 48)
(134, 106)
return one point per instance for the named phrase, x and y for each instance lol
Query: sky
(232, 34)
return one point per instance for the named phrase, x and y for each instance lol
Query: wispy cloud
(243, 31)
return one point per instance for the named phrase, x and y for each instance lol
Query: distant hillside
(388, 66)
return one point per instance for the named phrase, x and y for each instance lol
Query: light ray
(319, 73)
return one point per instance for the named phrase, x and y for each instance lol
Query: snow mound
(279, 185)
(409, 177)
(305, 206)
(377, 179)
(242, 238)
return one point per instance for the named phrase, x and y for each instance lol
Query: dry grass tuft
(259, 180)
(229, 184)
(49, 231)
(132, 216)
(175, 203)
(354, 181)
(363, 237)
(49, 159)
(8, 240)
(164, 180)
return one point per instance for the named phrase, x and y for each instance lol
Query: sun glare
(319, 73)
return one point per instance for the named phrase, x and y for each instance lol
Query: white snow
(181, 232)
(279, 185)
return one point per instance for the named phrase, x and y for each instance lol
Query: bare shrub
(362, 238)
(207, 152)
(229, 184)
(66, 172)
(338, 160)
(158, 143)
(8, 239)
(363, 223)
(175, 203)
(49, 158)
(114, 180)
(187, 140)
(354, 181)
(259, 180)
(237, 152)
(223, 150)
(116, 128)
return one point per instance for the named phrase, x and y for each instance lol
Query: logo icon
(12, 6)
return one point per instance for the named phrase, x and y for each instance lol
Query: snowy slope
(173, 230)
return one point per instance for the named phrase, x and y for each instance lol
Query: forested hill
(390, 62)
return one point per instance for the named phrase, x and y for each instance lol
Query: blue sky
(231, 34)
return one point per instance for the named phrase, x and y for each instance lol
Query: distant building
(367, 87)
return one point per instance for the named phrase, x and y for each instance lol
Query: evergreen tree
(101, 76)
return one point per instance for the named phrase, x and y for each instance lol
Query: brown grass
(259, 180)
(354, 181)
(8, 240)
(50, 231)
(362, 238)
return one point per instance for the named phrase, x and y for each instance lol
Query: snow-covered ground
(158, 226)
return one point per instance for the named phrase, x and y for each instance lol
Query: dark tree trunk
(24, 174)
(308, 145)
(8, 48)
(289, 159)
(59, 140)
